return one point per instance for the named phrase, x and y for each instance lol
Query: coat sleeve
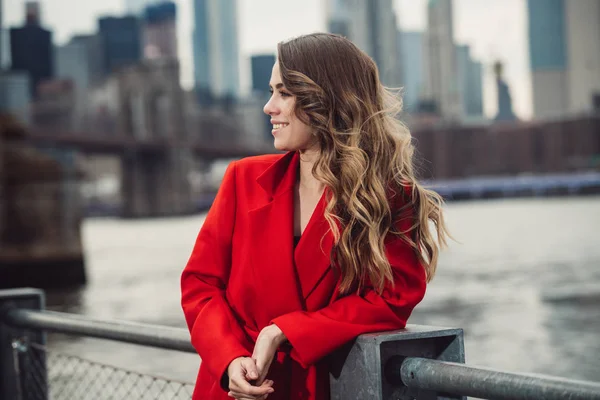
(215, 332)
(315, 334)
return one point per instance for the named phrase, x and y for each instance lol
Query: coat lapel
(312, 255)
(271, 224)
(278, 267)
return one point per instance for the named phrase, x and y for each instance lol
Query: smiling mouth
(279, 126)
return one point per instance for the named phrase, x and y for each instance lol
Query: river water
(522, 280)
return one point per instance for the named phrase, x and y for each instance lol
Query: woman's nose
(270, 108)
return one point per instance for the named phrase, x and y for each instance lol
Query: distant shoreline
(99, 210)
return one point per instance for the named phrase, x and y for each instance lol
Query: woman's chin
(280, 146)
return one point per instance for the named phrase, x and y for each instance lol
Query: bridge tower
(151, 112)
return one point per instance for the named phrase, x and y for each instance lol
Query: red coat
(244, 274)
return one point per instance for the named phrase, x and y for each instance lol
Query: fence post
(23, 374)
(359, 369)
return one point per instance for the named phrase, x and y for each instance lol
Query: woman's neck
(306, 179)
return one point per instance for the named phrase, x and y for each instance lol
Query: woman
(302, 252)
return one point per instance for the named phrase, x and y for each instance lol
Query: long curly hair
(365, 159)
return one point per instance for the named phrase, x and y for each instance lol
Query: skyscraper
(81, 60)
(440, 60)
(160, 30)
(31, 48)
(371, 25)
(565, 56)
(15, 94)
(413, 81)
(262, 66)
(121, 42)
(1, 37)
(215, 49)
(548, 57)
(470, 81)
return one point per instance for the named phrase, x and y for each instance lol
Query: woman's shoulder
(256, 165)
(260, 160)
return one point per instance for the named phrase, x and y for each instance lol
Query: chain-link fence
(46, 374)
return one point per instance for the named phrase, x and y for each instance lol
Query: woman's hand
(269, 339)
(242, 371)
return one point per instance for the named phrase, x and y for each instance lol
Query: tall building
(411, 56)
(564, 56)
(474, 103)
(548, 57)
(443, 87)
(5, 48)
(81, 60)
(215, 49)
(121, 42)
(33, 12)
(160, 30)
(262, 65)
(470, 81)
(15, 94)
(371, 25)
(31, 48)
(1, 36)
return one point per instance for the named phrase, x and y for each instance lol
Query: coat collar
(281, 175)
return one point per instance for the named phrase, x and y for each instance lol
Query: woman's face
(289, 132)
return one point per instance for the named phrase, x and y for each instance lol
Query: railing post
(363, 370)
(23, 374)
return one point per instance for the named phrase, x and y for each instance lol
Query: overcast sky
(495, 29)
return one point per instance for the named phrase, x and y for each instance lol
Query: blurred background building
(81, 60)
(470, 84)
(262, 64)
(31, 48)
(121, 40)
(412, 60)
(564, 55)
(372, 26)
(160, 30)
(216, 52)
(442, 86)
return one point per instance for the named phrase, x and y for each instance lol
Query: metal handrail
(461, 379)
(412, 372)
(122, 331)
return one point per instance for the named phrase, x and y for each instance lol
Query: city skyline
(496, 29)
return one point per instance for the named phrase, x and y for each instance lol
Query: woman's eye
(285, 94)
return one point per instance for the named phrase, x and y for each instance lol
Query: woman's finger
(242, 396)
(244, 387)
(245, 396)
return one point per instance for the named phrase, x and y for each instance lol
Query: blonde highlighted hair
(365, 161)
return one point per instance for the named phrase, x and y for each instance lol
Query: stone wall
(37, 247)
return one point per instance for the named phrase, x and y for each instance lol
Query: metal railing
(418, 362)
(48, 374)
(31, 370)
(128, 332)
(447, 377)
